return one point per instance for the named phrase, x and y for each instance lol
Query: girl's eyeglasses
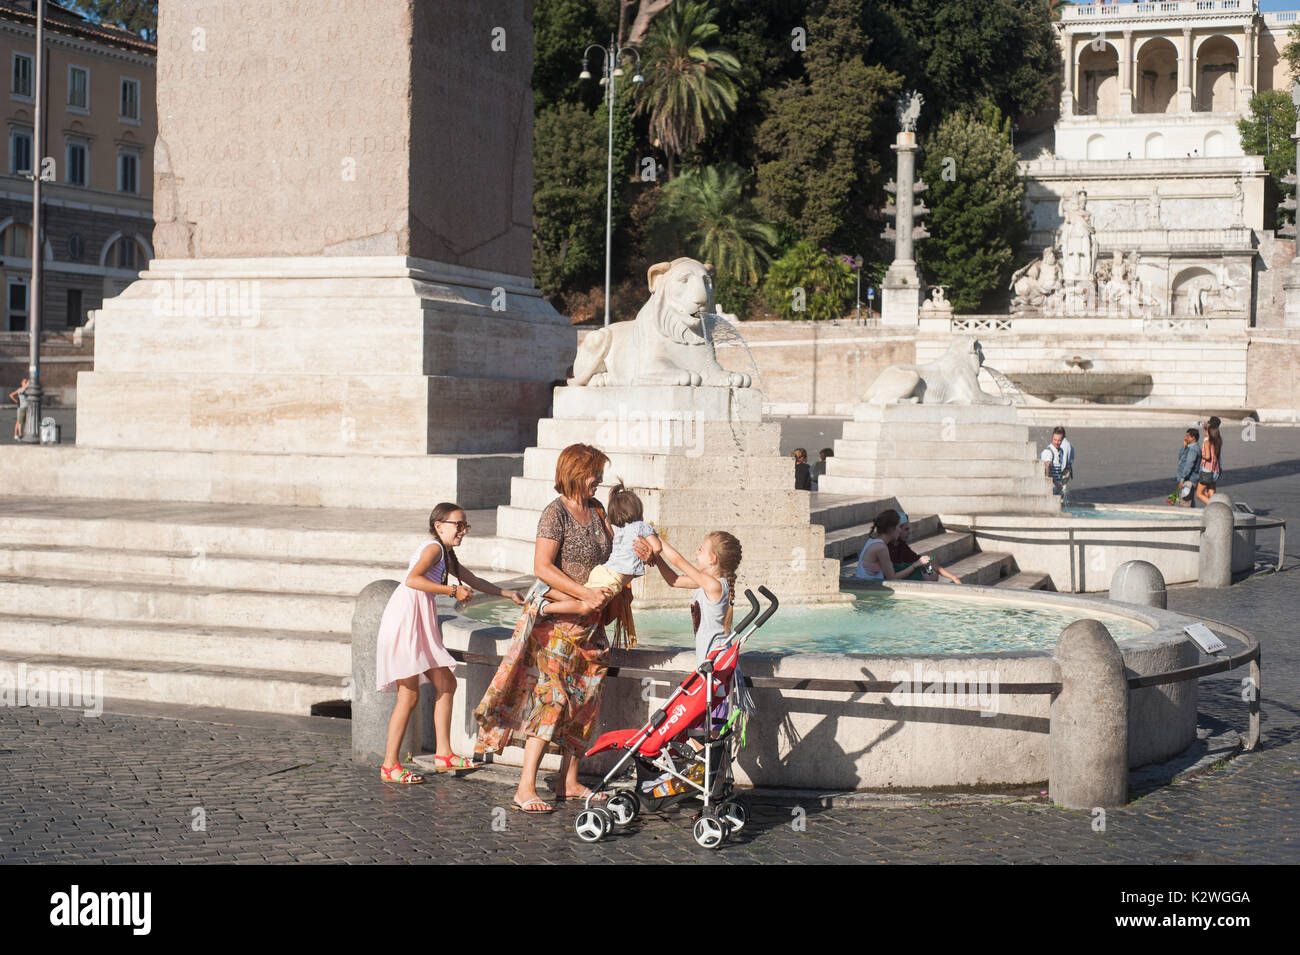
(461, 526)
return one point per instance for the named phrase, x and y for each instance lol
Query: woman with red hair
(546, 693)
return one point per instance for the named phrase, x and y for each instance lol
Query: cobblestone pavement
(134, 787)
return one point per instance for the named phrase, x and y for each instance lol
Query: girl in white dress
(409, 650)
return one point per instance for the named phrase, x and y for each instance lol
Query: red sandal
(396, 774)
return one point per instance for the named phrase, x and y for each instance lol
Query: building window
(21, 84)
(79, 88)
(15, 241)
(131, 100)
(125, 254)
(128, 172)
(76, 174)
(75, 314)
(20, 152)
(16, 305)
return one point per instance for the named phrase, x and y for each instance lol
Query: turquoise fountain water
(878, 622)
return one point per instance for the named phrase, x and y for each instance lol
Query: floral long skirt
(549, 685)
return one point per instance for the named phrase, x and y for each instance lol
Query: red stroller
(705, 707)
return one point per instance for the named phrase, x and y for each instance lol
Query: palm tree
(688, 79)
(708, 211)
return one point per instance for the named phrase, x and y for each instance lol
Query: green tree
(820, 144)
(976, 222)
(138, 16)
(1266, 131)
(809, 283)
(569, 157)
(957, 53)
(562, 30)
(688, 78)
(1291, 51)
(707, 211)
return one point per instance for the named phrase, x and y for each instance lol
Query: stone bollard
(1087, 751)
(370, 708)
(1214, 568)
(1139, 582)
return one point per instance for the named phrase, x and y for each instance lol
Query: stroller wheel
(623, 808)
(734, 811)
(710, 831)
(592, 825)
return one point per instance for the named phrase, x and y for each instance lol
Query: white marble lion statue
(951, 380)
(667, 344)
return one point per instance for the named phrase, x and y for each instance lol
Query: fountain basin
(911, 738)
(1076, 386)
(1083, 545)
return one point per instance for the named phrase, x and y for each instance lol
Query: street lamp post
(612, 72)
(34, 393)
(857, 269)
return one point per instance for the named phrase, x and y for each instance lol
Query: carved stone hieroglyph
(952, 380)
(667, 344)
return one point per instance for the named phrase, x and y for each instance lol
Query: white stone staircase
(847, 520)
(234, 606)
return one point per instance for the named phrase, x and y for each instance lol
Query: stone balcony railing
(1155, 9)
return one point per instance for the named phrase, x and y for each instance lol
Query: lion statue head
(681, 295)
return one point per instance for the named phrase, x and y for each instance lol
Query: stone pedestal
(901, 294)
(945, 459)
(343, 256)
(701, 459)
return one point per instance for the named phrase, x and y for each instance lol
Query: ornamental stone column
(1067, 87)
(1185, 72)
(1126, 74)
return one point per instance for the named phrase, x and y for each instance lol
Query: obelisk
(343, 198)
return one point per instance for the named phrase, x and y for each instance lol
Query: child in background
(626, 515)
(802, 473)
(1189, 470)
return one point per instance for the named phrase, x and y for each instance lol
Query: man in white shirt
(1058, 463)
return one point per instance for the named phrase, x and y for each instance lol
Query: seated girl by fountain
(625, 514)
(903, 556)
(874, 562)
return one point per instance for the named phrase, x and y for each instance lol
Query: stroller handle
(770, 610)
(754, 608)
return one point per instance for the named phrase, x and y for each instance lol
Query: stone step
(181, 605)
(944, 430)
(903, 449)
(927, 414)
(702, 403)
(235, 688)
(288, 480)
(778, 504)
(947, 547)
(675, 471)
(651, 432)
(953, 469)
(951, 487)
(1027, 580)
(378, 537)
(985, 568)
(137, 642)
(835, 511)
(197, 569)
